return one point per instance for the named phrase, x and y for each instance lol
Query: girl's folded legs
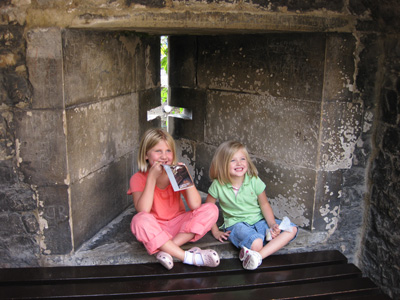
(194, 256)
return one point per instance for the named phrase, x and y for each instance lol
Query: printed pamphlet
(179, 177)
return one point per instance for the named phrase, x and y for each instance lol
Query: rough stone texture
(380, 256)
(43, 161)
(102, 193)
(19, 228)
(301, 134)
(95, 138)
(45, 63)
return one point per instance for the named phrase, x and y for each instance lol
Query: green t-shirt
(244, 206)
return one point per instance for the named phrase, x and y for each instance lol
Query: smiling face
(161, 153)
(238, 165)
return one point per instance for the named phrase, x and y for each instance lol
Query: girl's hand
(156, 170)
(275, 230)
(221, 235)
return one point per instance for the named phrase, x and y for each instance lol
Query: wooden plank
(54, 274)
(147, 286)
(320, 290)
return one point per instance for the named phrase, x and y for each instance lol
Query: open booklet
(179, 177)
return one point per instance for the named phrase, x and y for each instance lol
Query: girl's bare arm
(217, 234)
(192, 197)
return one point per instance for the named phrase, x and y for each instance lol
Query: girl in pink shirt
(162, 224)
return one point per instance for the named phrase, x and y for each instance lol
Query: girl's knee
(257, 245)
(140, 220)
(212, 210)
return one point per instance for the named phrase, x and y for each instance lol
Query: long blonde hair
(219, 168)
(150, 139)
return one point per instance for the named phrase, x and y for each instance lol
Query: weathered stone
(391, 141)
(94, 135)
(389, 107)
(31, 223)
(102, 193)
(16, 199)
(264, 64)
(263, 125)
(98, 65)
(341, 127)
(328, 194)
(204, 155)
(41, 146)
(148, 100)
(339, 68)
(192, 99)
(54, 220)
(182, 55)
(45, 65)
(290, 190)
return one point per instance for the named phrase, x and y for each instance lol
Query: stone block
(147, 61)
(327, 201)
(285, 65)
(182, 56)
(340, 130)
(98, 65)
(204, 155)
(339, 68)
(45, 64)
(281, 130)
(290, 190)
(99, 133)
(192, 99)
(186, 154)
(99, 198)
(40, 141)
(148, 100)
(54, 220)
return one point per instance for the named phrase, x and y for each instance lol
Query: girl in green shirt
(248, 216)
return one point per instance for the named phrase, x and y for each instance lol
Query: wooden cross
(165, 111)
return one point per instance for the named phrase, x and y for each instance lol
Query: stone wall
(279, 95)
(380, 255)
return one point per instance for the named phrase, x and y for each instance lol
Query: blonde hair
(219, 168)
(150, 139)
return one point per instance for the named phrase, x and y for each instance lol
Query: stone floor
(115, 244)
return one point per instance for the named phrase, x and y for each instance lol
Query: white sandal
(165, 259)
(251, 259)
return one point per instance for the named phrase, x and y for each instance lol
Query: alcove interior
(286, 96)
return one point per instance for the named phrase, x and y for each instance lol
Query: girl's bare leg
(277, 243)
(173, 248)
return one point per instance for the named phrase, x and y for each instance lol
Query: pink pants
(154, 233)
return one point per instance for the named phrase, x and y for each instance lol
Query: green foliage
(164, 53)
(164, 94)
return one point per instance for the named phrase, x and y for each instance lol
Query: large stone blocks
(76, 143)
(281, 130)
(95, 137)
(289, 99)
(41, 146)
(285, 66)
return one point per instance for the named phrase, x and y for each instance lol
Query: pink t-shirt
(167, 204)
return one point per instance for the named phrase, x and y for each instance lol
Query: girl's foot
(165, 259)
(251, 259)
(207, 258)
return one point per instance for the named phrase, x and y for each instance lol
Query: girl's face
(161, 153)
(238, 165)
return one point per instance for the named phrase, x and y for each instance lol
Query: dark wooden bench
(317, 275)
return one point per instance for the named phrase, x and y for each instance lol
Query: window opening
(164, 111)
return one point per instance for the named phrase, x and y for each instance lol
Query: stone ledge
(115, 245)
